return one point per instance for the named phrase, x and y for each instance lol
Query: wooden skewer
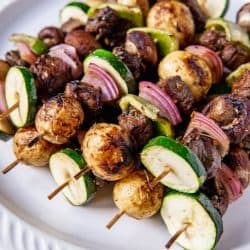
(10, 166)
(66, 183)
(115, 219)
(7, 112)
(157, 179)
(152, 185)
(177, 235)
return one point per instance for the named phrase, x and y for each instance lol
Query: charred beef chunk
(13, 58)
(241, 86)
(87, 95)
(51, 75)
(198, 15)
(231, 54)
(205, 148)
(218, 195)
(180, 93)
(238, 161)
(232, 114)
(214, 39)
(137, 125)
(134, 62)
(51, 36)
(83, 41)
(110, 29)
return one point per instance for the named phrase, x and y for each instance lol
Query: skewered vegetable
(20, 92)
(214, 9)
(143, 4)
(134, 196)
(107, 151)
(173, 17)
(35, 153)
(59, 118)
(187, 172)
(192, 70)
(83, 41)
(74, 10)
(204, 224)
(64, 165)
(114, 67)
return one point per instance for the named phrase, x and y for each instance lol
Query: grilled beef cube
(232, 114)
(137, 125)
(51, 74)
(205, 148)
(231, 54)
(88, 96)
(108, 27)
(180, 93)
(134, 62)
(241, 86)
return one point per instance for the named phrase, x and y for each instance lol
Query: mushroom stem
(8, 111)
(176, 236)
(115, 219)
(10, 166)
(157, 179)
(66, 183)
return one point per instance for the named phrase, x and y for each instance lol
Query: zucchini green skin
(208, 206)
(79, 5)
(181, 150)
(117, 65)
(88, 178)
(30, 89)
(32, 94)
(166, 43)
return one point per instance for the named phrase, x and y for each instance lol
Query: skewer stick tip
(115, 219)
(10, 167)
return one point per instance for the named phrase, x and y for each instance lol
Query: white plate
(39, 224)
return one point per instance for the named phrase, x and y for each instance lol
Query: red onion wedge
(69, 55)
(211, 58)
(99, 78)
(26, 54)
(230, 182)
(208, 126)
(153, 94)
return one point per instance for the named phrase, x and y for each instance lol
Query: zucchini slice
(64, 165)
(206, 225)
(187, 173)
(115, 67)
(74, 10)
(36, 45)
(133, 14)
(214, 8)
(237, 73)
(165, 42)
(20, 87)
